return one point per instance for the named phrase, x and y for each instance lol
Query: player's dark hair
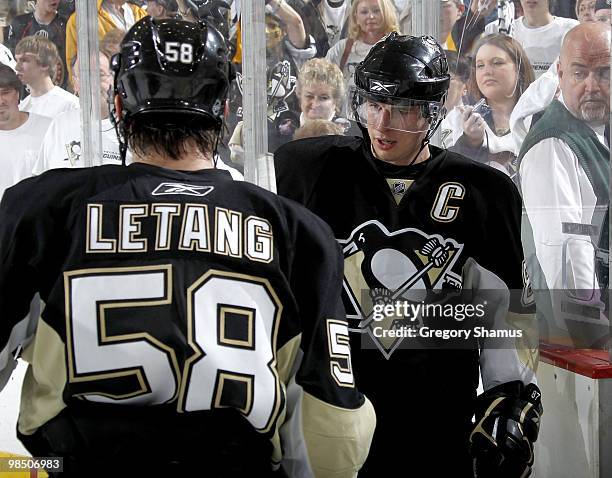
(172, 140)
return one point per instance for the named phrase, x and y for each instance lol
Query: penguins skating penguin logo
(383, 267)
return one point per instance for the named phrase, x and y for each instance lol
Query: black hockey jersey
(26, 25)
(434, 226)
(182, 312)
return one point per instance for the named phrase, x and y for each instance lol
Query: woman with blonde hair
(369, 21)
(320, 89)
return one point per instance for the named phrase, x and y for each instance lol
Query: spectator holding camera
(500, 73)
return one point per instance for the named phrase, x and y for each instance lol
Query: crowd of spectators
(503, 58)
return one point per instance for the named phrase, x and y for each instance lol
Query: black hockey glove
(507, 425)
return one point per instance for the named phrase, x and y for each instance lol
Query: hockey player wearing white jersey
(420, 224)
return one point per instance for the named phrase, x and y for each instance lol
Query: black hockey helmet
(408, 73)
(173, 70)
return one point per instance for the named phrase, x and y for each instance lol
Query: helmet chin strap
(424, 144)
(215, 156)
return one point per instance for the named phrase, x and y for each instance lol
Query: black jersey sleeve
(15, 31)
(32, 245)
(299, 164)
(503, 256)
(20, 248)
(327, 413)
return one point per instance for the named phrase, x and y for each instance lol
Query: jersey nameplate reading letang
(229, 234)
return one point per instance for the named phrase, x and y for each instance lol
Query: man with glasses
(568, 148)
(61, 147)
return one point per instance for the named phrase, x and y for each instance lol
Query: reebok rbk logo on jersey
(380, 87)
(165, 189)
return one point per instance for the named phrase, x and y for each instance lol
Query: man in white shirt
(37, 60)
(61, 147)
(564, 175)
(539, 33)
(542, 91)
(20, 132)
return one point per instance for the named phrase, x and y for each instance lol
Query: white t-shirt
(53, 103)
(333, 19)
(61, 147)
(358, 52)
(23, 144)
(542, 44)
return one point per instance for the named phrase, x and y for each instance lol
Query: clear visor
(410, 116)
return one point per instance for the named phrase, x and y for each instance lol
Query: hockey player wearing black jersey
(417, 221)
(173, 319)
